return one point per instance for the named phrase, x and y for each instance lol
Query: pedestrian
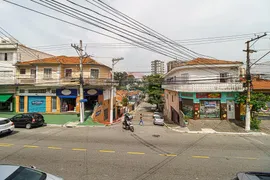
(141, 120)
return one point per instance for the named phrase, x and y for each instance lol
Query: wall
(171, 100)
(27, 54)
(204, 74)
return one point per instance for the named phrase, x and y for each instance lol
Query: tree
(121, 77)
(257, 101)
(154, 89)
(124, 101)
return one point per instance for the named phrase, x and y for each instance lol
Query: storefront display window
(210, 109)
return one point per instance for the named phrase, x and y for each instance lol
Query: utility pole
(80, 52)
(114, 62)
(248, 81)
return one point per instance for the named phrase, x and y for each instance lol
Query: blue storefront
(67, 99)
(36, 104)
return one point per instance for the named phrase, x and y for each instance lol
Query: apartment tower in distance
(157, 67)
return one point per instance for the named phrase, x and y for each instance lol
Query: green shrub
(255, 123)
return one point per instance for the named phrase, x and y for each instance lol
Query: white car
(6, 126)
(10, 172)
(158, 120)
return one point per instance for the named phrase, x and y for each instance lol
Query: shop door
(54, 104)
(230, 110)
(175, 116)
(21, 103)
(209, 109)
(36, 104)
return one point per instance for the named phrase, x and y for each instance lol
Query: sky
(175, 19)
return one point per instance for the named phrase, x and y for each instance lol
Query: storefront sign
(66, 93)
(37, 103)
(210, 103)
(208, 95)
(92, 92)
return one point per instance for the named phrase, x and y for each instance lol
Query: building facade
(203, 89)
(51, 85)
(173, 64)
(11, 53)
(157, 67)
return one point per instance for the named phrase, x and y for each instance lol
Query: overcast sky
(176, 19)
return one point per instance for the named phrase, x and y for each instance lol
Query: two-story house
(51, 85)
(11, 53)
(203, 89)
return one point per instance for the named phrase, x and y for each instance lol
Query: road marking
(28, 146)
(201, 157)
(52, 147)
(249, 158)
(106, 151)
(5, 145)
(78, 149)
(169, 155)
(141, 153)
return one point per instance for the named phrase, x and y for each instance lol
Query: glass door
(54, 104)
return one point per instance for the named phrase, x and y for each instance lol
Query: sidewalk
(217, 127)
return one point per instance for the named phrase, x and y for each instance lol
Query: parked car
(10, 172)
(158, 120)
(28, 120)
(252, 176)
(6, 126)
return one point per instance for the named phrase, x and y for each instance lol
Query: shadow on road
(8, 134)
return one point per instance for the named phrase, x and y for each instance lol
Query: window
(224, 77)
(68, 73)
(53, 91)
(6, 56)
(172, 98)
(37, 91)
(94, 73)
(22, 71)
(47, 73)
(184, 78)
(33, 73)
(22, 91)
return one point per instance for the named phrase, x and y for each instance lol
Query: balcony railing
(206, 87)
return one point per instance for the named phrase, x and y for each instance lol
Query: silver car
(13, 172)
(158, 120)
(6, 126)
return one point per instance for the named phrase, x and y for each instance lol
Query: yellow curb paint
(141, 153)
(5, 145)
(201, 157)
(249, 158)
(169, 155)
(78, 149)
(106, 151)
(28, 146)
(52, 147)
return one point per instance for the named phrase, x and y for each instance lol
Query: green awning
(4, 97)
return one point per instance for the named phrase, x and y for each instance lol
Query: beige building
(51, 85)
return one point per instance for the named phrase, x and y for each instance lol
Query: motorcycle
(128, 126)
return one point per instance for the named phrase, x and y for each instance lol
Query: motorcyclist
(126, 119)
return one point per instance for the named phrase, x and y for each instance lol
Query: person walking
(141, 120)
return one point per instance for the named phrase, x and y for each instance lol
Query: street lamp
(114, 62)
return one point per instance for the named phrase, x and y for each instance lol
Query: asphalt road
(113, 153)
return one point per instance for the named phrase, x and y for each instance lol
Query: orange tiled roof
(261, 84)
(199, 61)
(61, 60)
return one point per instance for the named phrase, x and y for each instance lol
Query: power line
(59, 19)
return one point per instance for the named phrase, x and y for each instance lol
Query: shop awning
(4, 97)
(70, 97)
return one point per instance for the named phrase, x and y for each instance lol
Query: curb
(221, 133)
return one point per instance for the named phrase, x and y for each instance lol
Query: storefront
(209, 105)
(37, 104)
(92, 98)
(67, 99)
(7, 100)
